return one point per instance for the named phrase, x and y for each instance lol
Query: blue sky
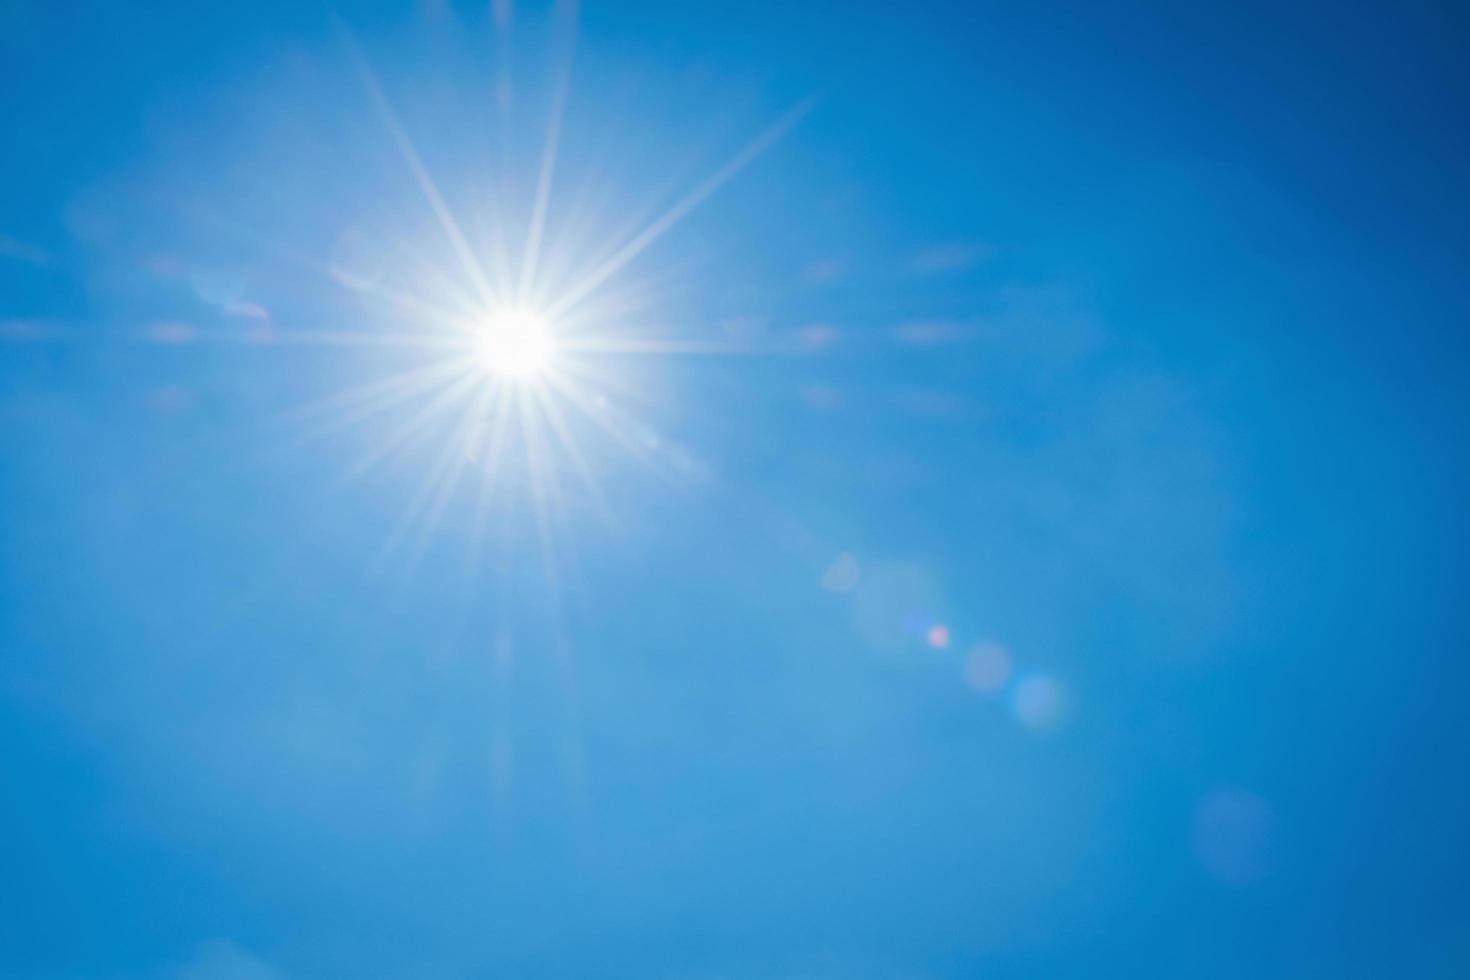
(993, 506)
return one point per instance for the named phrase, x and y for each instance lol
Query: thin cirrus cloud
(23, 330)
(824, 271)
(951, 257)
(1044, 325)
(934, 333)
(817, 337)
(223, 960)
(932, 402)
(14, 248)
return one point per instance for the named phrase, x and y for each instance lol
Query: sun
(521, 367)
(515, 344)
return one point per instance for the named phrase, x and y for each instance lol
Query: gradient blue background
(1141, 353)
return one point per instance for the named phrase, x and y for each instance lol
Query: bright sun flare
(516, 355)
(515, 344)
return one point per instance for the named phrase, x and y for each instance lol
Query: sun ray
(367, 400)
(430, 189)
(489, 465)
(429, 311)
(347, 338)
(613, 388)
(411, 261)
(630, 299)
(611, 421)
(673, 215)
(524, 291)
(557, 422)
(649, 345)
(588, 248)
(442, 402)
(540, 492)
(438, 481)
(459, 447)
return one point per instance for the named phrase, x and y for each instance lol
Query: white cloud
(223, 960)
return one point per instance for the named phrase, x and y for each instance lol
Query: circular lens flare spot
(515, 344)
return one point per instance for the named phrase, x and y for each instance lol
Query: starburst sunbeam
(528, 372)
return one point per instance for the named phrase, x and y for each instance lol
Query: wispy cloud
(223, 960)
(170, 333)
(950, 257)
(14, 248)
(818, 337)
(824, 271)
(932, 402)
(21, 330)
(934, 333)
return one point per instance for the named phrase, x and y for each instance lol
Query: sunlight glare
(515, 344)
